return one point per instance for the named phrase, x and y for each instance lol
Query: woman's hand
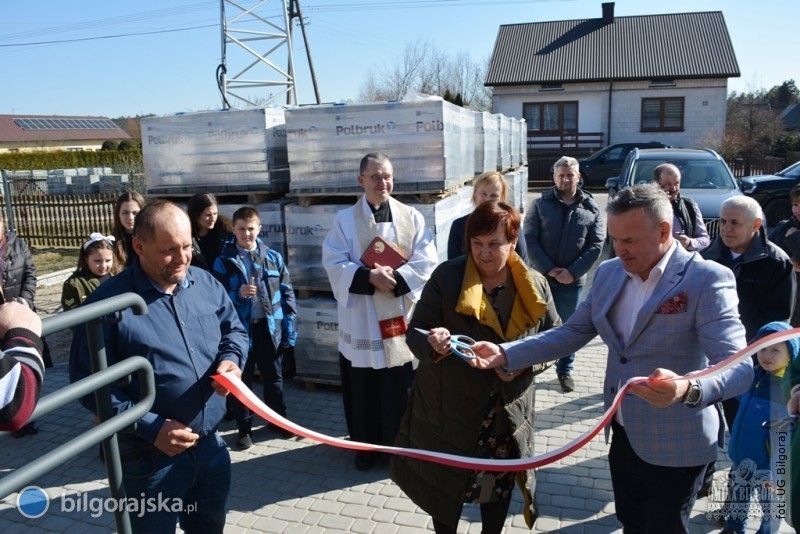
(439, 339)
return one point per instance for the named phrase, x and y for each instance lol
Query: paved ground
(297, 486)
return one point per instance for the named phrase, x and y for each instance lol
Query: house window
(551, 116)
(662, 114)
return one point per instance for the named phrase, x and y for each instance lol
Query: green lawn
(48, 260)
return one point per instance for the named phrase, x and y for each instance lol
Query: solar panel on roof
(65, 124)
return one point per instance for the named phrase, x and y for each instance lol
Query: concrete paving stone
(304, 503)
(292, 529)
(391, 491)
(563, 501)
(268, 524)
(547, 524)
(352, 497)
(602, 495)
(358, 511)
(384, 515)
(234, 529)
(363, 526)
(267, 509)
(400, 504)
(581, 493)
(289, 514)
(312, 518)
(414, 520)
(385, 528)
(327, 507)
(603, 483)
(377, 501)
(336, 522)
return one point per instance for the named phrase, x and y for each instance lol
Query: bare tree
(424, 69)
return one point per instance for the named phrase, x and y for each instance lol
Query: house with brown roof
(584, 84)
(29, 133)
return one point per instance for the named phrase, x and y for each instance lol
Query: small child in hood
(754, 447)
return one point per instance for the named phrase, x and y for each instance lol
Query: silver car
(705, 177)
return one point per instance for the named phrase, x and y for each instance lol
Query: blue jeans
(198, 479)
(566, 299)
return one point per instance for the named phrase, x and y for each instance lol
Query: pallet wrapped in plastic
(223, 151)
(504, 155)
(487, 142)
(317, 350)
(306, 228)
(430, 142)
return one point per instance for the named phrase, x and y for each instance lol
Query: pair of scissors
(460, 345)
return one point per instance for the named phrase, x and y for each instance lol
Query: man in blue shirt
(191, 331)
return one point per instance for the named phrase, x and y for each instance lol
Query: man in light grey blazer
(663, 312)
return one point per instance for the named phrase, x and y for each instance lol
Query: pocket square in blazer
(676, 304)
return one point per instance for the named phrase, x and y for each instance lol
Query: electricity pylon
(261, 36)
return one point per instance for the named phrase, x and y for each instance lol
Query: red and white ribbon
(233, 384)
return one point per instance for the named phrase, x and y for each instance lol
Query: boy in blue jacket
(259, 285)
(755, 449)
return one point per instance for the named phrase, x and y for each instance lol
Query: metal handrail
(99, 382)
(26, 474)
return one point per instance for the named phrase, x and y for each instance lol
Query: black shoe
(567, 383)
(244, 442)
(26, 430)
(286, 434)
(365, 460)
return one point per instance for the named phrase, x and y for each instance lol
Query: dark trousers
(374, 400)
(493, 516)
(650, 499)
(270, 363)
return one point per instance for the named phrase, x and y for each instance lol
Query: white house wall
(705, 107)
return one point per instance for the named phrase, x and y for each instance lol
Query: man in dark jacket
(688, 227)
(765, 279)
(564, 235)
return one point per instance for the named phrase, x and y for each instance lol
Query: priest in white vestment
(375, 303)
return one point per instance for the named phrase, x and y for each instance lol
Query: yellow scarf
(528, 309)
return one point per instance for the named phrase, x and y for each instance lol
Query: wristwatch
(693, 394)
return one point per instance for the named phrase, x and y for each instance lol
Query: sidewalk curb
(55, 278)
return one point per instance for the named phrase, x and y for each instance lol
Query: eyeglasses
(378, 178)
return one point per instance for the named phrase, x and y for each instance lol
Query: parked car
(772, 192)
(607, 162)
(705, 177)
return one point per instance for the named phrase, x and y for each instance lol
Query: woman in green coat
(489, 294)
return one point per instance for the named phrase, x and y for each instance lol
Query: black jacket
(765, 281)
(19, 272)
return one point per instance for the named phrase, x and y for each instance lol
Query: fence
(61, 221)
(742, 167)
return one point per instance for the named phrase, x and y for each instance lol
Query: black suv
(772, 192)
(607, 162)
(705, 177)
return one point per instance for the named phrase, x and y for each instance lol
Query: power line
(110, 36)
(150, 15)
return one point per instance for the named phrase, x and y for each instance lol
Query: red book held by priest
(383, 253)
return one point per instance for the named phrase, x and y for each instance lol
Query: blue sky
(171, 67)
